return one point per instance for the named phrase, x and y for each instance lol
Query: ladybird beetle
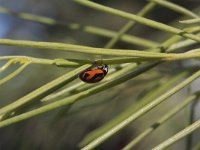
(94, 75)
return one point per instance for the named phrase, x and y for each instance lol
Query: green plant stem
(140, 112)
(176, 8)
(182, 44)
(138, 57)
(4, 67)
(190, 21)
(191, 119)
(161, 121)
(13, 74)
(129, 25)
(197, 147)
(188, 130)
(112, 52)
(60, 62)
(75, 26)
(171, 44)
(141, 20)
(65, 92)
(69, 47)
(131, 39)
(43, 91)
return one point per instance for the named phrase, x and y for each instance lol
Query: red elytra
(94, 75)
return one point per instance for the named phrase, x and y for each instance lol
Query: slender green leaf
(176, 8)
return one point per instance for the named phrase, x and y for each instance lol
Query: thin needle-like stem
(13, 74)
(175, 7)
(129, 25)
(4, 67)
(60, 62)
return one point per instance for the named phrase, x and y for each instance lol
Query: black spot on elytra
(96, 76)
(86, 75)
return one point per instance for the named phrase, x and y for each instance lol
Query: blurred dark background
(54, 130)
